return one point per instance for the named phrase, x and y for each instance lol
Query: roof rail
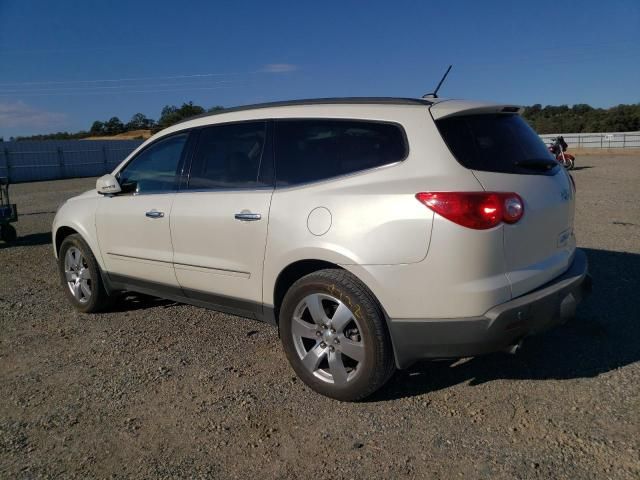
(319, 101)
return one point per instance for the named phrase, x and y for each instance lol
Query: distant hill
(131, 135)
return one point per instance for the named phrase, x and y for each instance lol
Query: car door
(219, 218)
(133, 226)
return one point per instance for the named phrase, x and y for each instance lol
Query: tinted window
(155, 168)
(496, 143)
(311, 150)
(228, 156)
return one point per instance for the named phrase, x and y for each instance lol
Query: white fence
(598, 140)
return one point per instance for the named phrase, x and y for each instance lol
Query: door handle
(154, 214)
(245, 216)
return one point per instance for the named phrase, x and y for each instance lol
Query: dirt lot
(157, 389)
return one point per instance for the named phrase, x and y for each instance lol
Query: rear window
(313, 150)
(496, 143)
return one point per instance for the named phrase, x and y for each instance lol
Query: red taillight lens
(477, 210)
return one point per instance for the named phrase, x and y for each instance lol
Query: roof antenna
(435, 92)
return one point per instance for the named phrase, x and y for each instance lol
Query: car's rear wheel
(80, 275)
(335, 337)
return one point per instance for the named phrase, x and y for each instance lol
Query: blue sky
(64, 64)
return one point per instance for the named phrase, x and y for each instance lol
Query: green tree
(113, 126)
(171, 114)
(139, 122)
(189, 110)
(97, 128)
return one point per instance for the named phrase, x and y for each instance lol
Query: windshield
(496, 143)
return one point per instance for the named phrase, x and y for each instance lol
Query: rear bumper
(500, 327)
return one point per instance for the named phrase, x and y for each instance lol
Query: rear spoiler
(449, 108)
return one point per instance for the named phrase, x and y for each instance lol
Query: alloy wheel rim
(77, 275)
(328, 339)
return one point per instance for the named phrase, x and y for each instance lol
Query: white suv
(372, 231)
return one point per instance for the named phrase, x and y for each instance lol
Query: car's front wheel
(335, 336)
(80, 275)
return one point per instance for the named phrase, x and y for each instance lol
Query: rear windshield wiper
(537, 163)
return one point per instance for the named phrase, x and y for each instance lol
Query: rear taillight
(512, 207)
(477, 210)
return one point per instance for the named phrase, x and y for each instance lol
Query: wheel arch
(60, 234)
(291, 274)
(300, 268)
(62, 231)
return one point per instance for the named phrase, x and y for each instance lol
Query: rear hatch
(506, 155)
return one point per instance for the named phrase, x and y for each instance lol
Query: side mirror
(108, 185)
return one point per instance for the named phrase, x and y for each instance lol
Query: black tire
(377, 365)
(8, 232)
(98, 299)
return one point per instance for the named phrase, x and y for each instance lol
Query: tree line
(583, 118)
(169, 115)
(549, 119)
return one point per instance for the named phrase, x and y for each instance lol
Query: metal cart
(8, 213)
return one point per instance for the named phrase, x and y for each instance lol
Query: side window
(228, 156)
(155, 169)
(312, 150)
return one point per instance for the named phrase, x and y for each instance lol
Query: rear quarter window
(502, 143)
(313, 150)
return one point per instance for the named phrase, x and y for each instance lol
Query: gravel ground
(158, 389)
